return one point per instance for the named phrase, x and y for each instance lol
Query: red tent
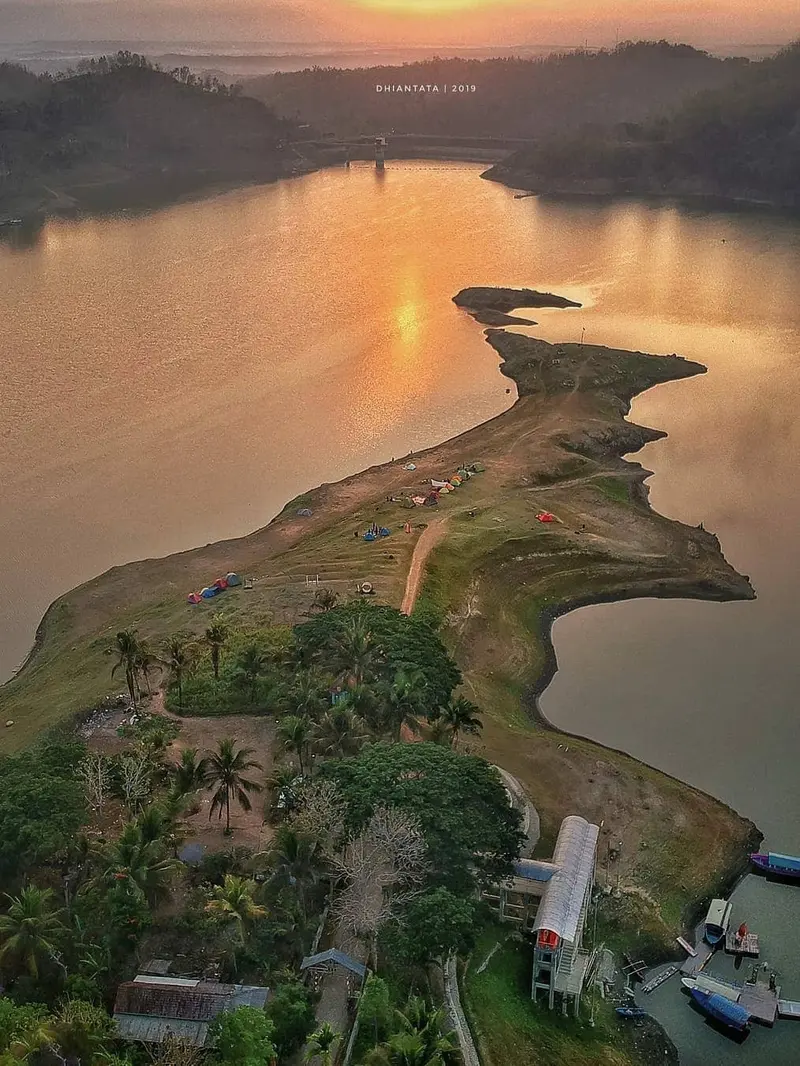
(545, 516)
(193, 597)
(221, 583)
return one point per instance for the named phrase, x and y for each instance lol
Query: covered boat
(721, 1009)
(631, 1012)
(717, 920)
(774, 863)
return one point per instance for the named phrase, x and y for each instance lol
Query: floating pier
(697, 962)
(741, 945)
(760, 1002)
(659, 979)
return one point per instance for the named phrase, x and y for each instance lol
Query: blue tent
(209, 594)
(369, 536)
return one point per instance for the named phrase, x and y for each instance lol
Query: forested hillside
(512, 98)
(742, 141)
(122, 131)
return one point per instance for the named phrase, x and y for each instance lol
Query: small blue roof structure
(192, 853)
(338, 958)
(533, 870)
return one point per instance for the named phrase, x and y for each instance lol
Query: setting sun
(431, 7)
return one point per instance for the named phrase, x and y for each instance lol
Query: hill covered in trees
(737, 142)
(513, 97)
(121, 131)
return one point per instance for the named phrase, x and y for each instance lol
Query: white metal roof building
(560, 964)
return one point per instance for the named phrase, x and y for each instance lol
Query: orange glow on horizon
(434, 7)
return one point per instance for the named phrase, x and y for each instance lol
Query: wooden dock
(744, 945)
(760, 1002)
(697, 962)
(659, 979)
(788, 1008)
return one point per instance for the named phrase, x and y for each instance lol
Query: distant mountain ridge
(121, 132)
(737, 143)
(513, 97)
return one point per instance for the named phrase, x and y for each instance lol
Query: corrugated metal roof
(574, 855)
(336, 956)
(157, 1030)
(153, 1008)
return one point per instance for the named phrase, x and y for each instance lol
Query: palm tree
(294, 734)
(320, 1043)
(146, 663)
(294, 859)
(30, 928)
(421, 1039)
(189, 775)
(355, 650)
(403, 700)
(308, 695)
(216, 635)
(250, 666)
(178, 655)
(459, 716)
(225, 768)
(234, 901)
(141, 860)
(126, 647)
(339, 733)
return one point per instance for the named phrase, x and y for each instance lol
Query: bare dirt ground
(424, 546)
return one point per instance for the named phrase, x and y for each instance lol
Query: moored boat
(631, 1012)
(721, 1009)
(717, 920)
(774, 863)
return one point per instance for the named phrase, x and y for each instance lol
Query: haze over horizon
(400, 23)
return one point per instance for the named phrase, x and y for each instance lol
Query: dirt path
(424, 546)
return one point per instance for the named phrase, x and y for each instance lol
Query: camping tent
(210, 593)
(221, 584)
(233, 580)
(305, 512)
(194, 597)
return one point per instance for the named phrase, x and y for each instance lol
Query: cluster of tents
(230, 581)
(441, 488)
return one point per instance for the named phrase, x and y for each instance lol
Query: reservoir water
(173, 378)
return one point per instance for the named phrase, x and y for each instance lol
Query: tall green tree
(321, 1044)
(30, 931)
(292, 1015)
(459, 716)
(126, 647)
(338, 733)
(189, 775)
(251, 665)
(225, 773)
(295, 859)
(147, 663)
(215, 637)
(403, 701)
(234, 902)
(178, 657)
(355, 651)
(136, 857)
(295, 735)
(242, 1037)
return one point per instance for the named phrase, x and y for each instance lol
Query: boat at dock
(717, 920)
(780, 865)
(721, 1009)
(713, 986)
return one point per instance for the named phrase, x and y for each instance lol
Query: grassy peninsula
(484, 578)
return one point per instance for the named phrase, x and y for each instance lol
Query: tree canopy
(438, 786)
(42, 805)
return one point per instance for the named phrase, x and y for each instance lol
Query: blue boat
(631, 1012)
(721, 1009)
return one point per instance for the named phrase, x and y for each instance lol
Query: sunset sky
(402, 22)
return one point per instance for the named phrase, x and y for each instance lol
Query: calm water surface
(173, 379)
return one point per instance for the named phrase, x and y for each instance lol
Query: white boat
(714, 985)
(717, 920)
